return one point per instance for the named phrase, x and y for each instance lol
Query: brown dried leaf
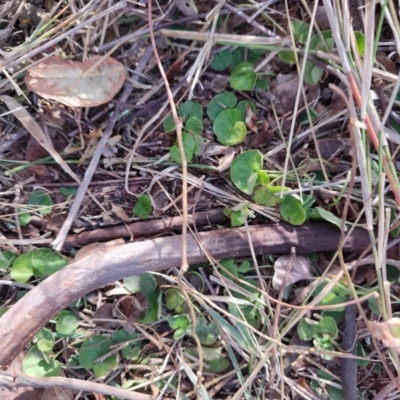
(300, 270)
(58, 394)
(284, 88)
(388, 332)
(251, 119)
(120, 213)
(77, 84)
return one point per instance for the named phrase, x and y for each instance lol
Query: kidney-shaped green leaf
(292, 210)
(244, 170)
(229, 127)
(220, 102)
(243, 76)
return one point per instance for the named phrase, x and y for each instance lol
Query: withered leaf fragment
(77, 84)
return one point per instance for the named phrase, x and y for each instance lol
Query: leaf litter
(269, 130)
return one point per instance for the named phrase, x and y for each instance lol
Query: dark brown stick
(349, 365)
(142, 228)
(108, 264)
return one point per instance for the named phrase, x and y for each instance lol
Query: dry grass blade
(36, 131)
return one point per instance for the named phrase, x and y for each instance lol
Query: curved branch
(105, 265)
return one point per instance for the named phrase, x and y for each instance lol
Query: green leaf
(361, 353)
(190, 109)
(45, 340)
(169, 124)
(131, 353)
(237, 56)
(262, 84)
(122, 335)
(106, 366)
(42, 202)
(243, 76)
(218, 365)
(68, 191)
(238, 217)
(199, 146)
(67, 322)
(392, 274)
(319, 212)
(36, 364)
(268, 195)
(242, 107)
(214, 359)
(46, 262)
(207, 332)
(244, 267)
(152, 312)
(222, 60)
(41, 262)
(93, 348)
(374, 306)
(179, 321)
(22, 269)
(326, 45)
(229, 127)
(23, 216)
(287, 57)
(220, 102)
(175, 301)
(145, 283)
(307, 329)
(244, 170)
(181, 324)
(189, 145)
(304, 119)
(360, 40)
(328, 325)
(142, 208)
(194, 125)
(6, 259)
(229, 265)
(300, 31)
(254, 55)
(312, 73)
(292, 210)
(335, 393)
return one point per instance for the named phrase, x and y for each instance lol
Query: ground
(199, 199)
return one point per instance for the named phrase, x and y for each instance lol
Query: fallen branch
(16, 381)
(105, 265)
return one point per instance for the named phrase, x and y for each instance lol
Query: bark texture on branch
(108, 264)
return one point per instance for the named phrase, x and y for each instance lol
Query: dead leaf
(300, 270)
(387, 63)
(187, 7)
(77, 84)
(388, 332)
(120, 213)
(251, 119)
(58, 393)
(284, 88)
(105, 312)
(329, 148)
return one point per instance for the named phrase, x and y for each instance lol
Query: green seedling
(142, 208)
(322, 333)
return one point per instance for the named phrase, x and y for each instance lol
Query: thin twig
(15, 381)
(59, 240)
